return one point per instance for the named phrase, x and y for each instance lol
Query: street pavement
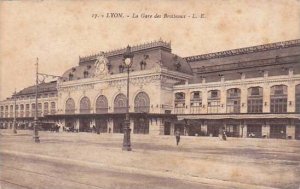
(88, 160)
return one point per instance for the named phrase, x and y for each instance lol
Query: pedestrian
(177, 134)
(224, 136)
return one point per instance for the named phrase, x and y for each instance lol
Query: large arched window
(32, 110)
(70, 106)
(278, 99)
(22, 110)
(39, 109)
(120, 103)
(17, 110)
(27, 111)
(196, 101)
(46, 108)
(255, 100)
(2, 111)
(11, 110)
(85, 105)
(101, 104)
(53, 108)
(213, 101)
(179, 103)
(233, 102)
(297, 98)
(6, 111)
(142, 102)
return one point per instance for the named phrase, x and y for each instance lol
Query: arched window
(179, 103)
(32, 110)
(255, 100)
(11, 112)
(213, 101)
(297, 99)
(278, 99)
(17, 110)
(70, 106)
(233, 103)
(1, 111)
(120, 103)
(6, 111)
(196, 101)
(21, 110)
(142, 102)
(101, 104)
(39, 109)
(46, 108)
(85, 105)
(53, 108)
(27, 110)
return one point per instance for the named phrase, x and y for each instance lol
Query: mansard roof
(42, 88)
(153, 54)
(246, 50)
(155, 44)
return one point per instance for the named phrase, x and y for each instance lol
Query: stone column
(110, 125)
(291, 100)
(204, 101)
(243, 130)
(291, 130)
(204, 127)
(172, 129)
(223, 100)
(156, 127)
(244, 95)
(77, 124)
(266, 98)
(132, 125)
(266, 130)
(187, 101)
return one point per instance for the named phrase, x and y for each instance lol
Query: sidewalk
(205, 160)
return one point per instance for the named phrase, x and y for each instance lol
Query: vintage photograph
(150, 94)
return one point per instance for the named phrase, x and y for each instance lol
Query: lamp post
(36, 123)
(15, 113)
(128, 56)
(36, 132)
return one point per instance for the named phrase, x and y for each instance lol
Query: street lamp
(128, 56)
(15, 113)
(35, 129)
(36, 123)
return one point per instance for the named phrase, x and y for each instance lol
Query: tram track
(40, 174)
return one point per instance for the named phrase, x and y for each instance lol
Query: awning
(239, 116)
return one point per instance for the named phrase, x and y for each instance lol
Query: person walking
(224, 136)
(177, 134)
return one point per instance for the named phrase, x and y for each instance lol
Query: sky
(58, 32)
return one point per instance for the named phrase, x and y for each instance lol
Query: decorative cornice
(237, 83)
(248, 64)
(152, 44)
(246, 50)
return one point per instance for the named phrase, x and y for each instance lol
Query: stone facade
(249, 92)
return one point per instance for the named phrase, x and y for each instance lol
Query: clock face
(101, 67)
(127, 61)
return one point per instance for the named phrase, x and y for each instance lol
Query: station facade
(250, 92)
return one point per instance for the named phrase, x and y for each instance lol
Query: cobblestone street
(88, 160)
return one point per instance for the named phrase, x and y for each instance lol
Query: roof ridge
(137, 47)
(245, 50)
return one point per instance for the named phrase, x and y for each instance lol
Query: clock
(127, 61)
(100, 65)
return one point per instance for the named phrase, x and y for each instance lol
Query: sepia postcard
(132, 94)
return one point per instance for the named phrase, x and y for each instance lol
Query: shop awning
(238, 116)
